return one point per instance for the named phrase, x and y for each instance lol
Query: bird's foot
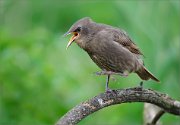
(103, 72)
(110, 92)
(140, 87)
(141, 84)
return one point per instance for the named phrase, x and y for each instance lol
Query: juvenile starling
(110, 48)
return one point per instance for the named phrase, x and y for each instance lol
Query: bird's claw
(140, 87)
(110, 92)
(141, 84)
(98, 73)
(110, 73)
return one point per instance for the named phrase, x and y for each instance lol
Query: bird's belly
(113, 57)
(115, 63)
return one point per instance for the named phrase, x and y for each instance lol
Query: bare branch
(152, 114)
(157, 117)
(129, 95)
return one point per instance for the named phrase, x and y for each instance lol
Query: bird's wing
(122, 38)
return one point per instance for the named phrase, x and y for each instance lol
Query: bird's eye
(78, 29)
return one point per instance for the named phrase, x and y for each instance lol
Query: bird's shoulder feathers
(123, 39)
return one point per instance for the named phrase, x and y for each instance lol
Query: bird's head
(79, 30)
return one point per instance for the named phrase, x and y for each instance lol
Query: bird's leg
(140, 87)
(141, 84)
(108, 90)
(107, 83)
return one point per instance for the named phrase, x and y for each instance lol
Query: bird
(111, 49)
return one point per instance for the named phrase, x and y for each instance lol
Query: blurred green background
(40, 81)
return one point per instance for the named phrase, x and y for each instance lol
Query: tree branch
(152, 114)
(157, 117)
(102, 100)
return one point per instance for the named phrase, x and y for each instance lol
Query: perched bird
(110, 48)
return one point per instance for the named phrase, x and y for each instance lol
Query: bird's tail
(144, 74)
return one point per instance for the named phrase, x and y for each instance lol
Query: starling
(110, 48)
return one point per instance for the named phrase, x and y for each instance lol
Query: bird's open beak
(75, 35)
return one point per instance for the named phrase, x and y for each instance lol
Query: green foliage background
(40, 80)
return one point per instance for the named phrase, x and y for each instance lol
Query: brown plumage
(110, 48)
